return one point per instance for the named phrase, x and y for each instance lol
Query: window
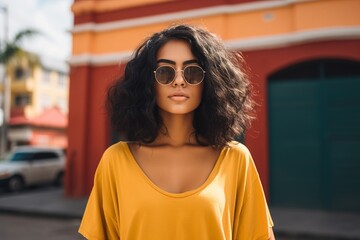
(62, 80)
(22, 100)
(32, 156)
(45, 156)
(21, 73)
(46, 77)
(45, 101)
(21, 156)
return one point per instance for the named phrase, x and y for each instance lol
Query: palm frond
(27, 33)
(10, 51)
(22, 59)
(33, 60)
(13, 55)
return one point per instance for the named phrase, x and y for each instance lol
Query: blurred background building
(38, 103)
(304, 58)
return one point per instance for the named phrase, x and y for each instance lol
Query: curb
(309, 236)
(43, 214)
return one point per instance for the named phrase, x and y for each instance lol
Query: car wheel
(16, 184)
(59, 180)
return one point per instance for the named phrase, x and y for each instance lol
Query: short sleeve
(100, 221)
(252, 216)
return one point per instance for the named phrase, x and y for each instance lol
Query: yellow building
(39, 104)
(46, 86)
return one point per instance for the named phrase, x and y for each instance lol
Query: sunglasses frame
(182, 73)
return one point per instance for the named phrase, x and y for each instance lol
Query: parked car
(28, 165)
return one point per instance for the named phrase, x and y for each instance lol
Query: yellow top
(126, 204)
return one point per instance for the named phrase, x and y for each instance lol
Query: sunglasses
(192, 74)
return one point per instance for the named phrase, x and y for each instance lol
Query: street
(16, 227)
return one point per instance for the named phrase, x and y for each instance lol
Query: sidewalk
(50, 203)
(289, 223)
(315, 224)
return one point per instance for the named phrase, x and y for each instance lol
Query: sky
(53, 18)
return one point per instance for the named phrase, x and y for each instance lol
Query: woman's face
(178, 97)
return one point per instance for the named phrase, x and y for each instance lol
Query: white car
(28, 165)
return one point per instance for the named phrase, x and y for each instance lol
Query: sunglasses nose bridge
(179, 74)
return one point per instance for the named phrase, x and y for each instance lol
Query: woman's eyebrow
(166, 61)
(174, 63)
(190, 61)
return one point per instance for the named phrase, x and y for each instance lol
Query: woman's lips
(178, 97)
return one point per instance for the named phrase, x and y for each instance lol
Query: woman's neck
(179, 130)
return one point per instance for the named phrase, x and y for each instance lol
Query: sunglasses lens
(193, 74)
(165, 74)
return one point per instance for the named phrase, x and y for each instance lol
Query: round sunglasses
(192, 74)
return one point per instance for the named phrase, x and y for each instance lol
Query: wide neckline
(188, 193)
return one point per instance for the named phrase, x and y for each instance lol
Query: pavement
(289, 223)
(315, 224)
(47, 203)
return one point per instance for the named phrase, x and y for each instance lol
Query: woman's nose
(179, 79)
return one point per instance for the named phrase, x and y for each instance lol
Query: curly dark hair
(226, 108)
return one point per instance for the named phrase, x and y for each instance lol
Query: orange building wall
(286, 19)
(89, 132)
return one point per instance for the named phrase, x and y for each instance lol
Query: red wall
(88, 129)
(150, 10)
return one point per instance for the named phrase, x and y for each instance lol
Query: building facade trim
(80, 7)
(247, 44)
(178, 16)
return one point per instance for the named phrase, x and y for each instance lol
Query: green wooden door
(295, 147)
(342, 141)
(314, 128)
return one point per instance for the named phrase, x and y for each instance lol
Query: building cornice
(247, 44)
(295, 38)
(79, 7)
(181, 15)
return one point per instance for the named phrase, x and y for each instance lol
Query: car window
(45, 155)
(21, 156)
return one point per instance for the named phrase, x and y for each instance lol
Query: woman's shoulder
(116, 148)
(237, 154)
(239, 157)
(237, 148)
(115, 151)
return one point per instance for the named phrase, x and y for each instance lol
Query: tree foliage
(13, 55)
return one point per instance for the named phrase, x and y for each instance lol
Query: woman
(182, 100)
